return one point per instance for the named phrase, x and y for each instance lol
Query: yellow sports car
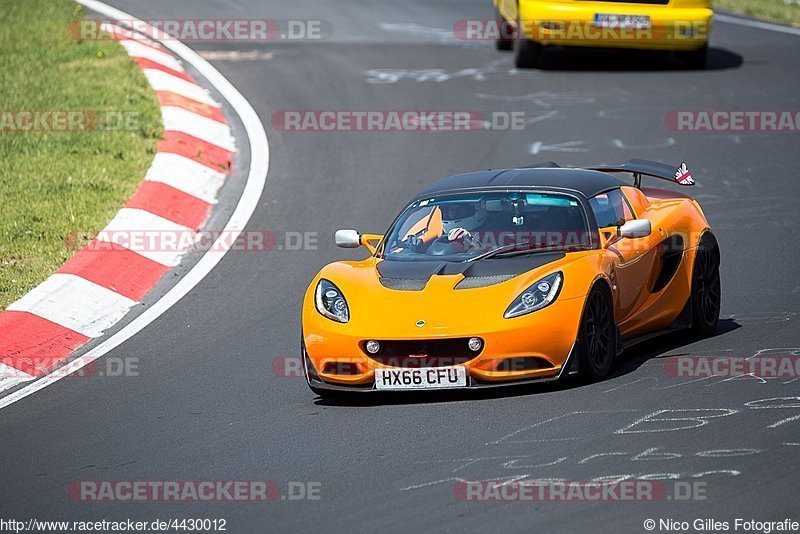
(681, 26)
(506, 276)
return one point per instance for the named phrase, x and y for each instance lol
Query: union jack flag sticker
(683, 176)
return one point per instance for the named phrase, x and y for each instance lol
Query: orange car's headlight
(330, 302)
(538, 296)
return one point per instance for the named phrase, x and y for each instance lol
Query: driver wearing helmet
(460, 219)
(443, 229)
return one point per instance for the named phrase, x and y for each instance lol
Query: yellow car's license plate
(636, 22)
(421, 378)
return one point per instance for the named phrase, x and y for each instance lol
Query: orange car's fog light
(528, 363)
(341, 368)
(475, 344)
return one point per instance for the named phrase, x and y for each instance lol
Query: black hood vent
(414, 275)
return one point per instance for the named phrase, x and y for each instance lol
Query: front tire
(597, 338)
(529, 54)
(321, 393)
(706, 292)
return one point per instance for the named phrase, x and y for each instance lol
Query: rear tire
(508, 33)
(706, 292)
(529, 54)
(597, 338)
(693, 60)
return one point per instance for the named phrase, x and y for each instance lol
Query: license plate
(637, 22)
(421, 378)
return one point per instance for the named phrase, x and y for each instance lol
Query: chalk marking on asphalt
(236, 55)
(668, 142)
(256, 179)
(631, 383)
(691, 421)
(568, 146)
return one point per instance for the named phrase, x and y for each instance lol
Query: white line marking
(75, 303)
(149, 235)
(137, 49)
(164, 81)
(6, 372)
(256, 179)
(756, 24)
(186, 175)
(183, 120)
(10, 377)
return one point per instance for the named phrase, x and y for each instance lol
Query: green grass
(787, 12)
(56, 184)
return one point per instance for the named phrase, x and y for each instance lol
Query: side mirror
(635, 228)
(347, 239)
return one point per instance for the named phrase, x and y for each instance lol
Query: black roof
(547, 176)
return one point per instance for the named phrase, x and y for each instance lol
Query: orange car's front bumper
(548, 335)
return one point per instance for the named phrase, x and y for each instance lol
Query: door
(633, 258)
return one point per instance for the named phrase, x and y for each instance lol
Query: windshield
(462, 227)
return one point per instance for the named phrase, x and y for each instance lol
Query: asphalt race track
(208, 405)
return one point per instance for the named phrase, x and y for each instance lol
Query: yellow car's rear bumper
(573, 24)
(547, 335)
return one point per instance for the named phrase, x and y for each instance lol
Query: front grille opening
(528, 363)
(340, 368)
(404, 284)
(423, 353)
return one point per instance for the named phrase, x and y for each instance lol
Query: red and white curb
(99, 285)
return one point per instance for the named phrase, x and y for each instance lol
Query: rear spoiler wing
(638, 168)
(641, 167)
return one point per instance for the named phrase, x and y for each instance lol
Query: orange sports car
(508, 276)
